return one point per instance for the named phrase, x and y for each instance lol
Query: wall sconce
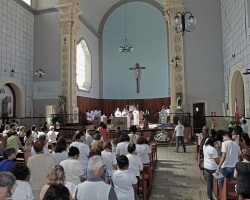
(12, 73)
(181, 25)
(176, 60)
(197, 109)
(247, 72)
(40, 73)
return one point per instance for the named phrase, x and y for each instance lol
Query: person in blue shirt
(9, 156)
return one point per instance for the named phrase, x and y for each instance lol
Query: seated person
(9, 156)
(7, 182)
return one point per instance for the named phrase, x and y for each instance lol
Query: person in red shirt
(103, 132)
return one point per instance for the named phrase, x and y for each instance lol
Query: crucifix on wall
(137, 69)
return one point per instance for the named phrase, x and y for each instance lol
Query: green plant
(161, 137)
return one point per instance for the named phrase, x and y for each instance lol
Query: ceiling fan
(246, 72)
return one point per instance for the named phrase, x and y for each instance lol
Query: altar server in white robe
(136, 117)
(118, 113)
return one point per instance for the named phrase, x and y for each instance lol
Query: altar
(122, 122)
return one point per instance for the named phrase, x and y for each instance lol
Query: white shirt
(109, 159)
(22, 191)
(143, 151)
(59, 157)
(209, 154)
(73, 169)
(45, 151)
(122, 148)
(118, 113)
(244, 128)
(89, 139)
(135, 164)
(232, 151)
(51, 136)
(179, 130)
(84, 152)
(35, 136)
(123, 180)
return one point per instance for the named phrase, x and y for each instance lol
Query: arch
(19, 95)
(120, 3)
(87, 80)
(237, 92)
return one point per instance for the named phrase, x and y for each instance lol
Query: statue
(179, 102)
(6, 108)
(62, 104)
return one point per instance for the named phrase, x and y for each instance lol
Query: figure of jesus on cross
(137, 69)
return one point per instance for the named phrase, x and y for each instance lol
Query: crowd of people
(92, 162)
(227, 154)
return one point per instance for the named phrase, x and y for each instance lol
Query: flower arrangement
(161, 137)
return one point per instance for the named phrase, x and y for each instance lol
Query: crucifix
(137, 69)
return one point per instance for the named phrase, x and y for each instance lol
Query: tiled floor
(177, 176)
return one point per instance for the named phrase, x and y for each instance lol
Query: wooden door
(198, 116)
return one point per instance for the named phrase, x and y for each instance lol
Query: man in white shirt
(83, 148)
(230, 155)
(118, 113)
(244, 126)
(136, 116)
(179, 133)
(95, 188)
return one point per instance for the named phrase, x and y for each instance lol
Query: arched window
(83, 66)
(28, 2)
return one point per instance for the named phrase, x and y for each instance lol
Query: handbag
(201, 164)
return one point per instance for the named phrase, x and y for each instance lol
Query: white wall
(235, 41)
(16, 47)
(203, 57)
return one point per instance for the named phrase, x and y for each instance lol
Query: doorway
(198, 117)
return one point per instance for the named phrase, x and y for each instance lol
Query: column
(68, 22)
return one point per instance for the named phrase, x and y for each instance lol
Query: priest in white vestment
(118, 113)
(136, 117)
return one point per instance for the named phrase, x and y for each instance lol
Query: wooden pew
(227, 192)
(145, 183)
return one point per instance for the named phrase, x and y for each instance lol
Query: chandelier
(182, 24)
(125, 47)
(40, 73)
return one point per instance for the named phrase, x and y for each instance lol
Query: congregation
(225, 156)
(94, 161)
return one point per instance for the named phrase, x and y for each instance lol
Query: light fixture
(40, 73)
(176, 60)
(247, 72)
(12, 73)
(125, 47)
(181, 25)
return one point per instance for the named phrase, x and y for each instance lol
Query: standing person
(34, 132)
(83, 148)
(136, 117)
(7, 182)
(211, 161)
(89, 137)
(60, 153)
(52, 137)
(73, 167)
(118, 113)
(57, 126)
(230, 154)
(21, 135)
(57, 176)
(95, 188)
(9, 156)
(242, 174)
(45, 127)
(22, 189)
(133, 134)
(179, 133)
(39, 165)
(103, 132)
(124, 180)
(244, 126)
